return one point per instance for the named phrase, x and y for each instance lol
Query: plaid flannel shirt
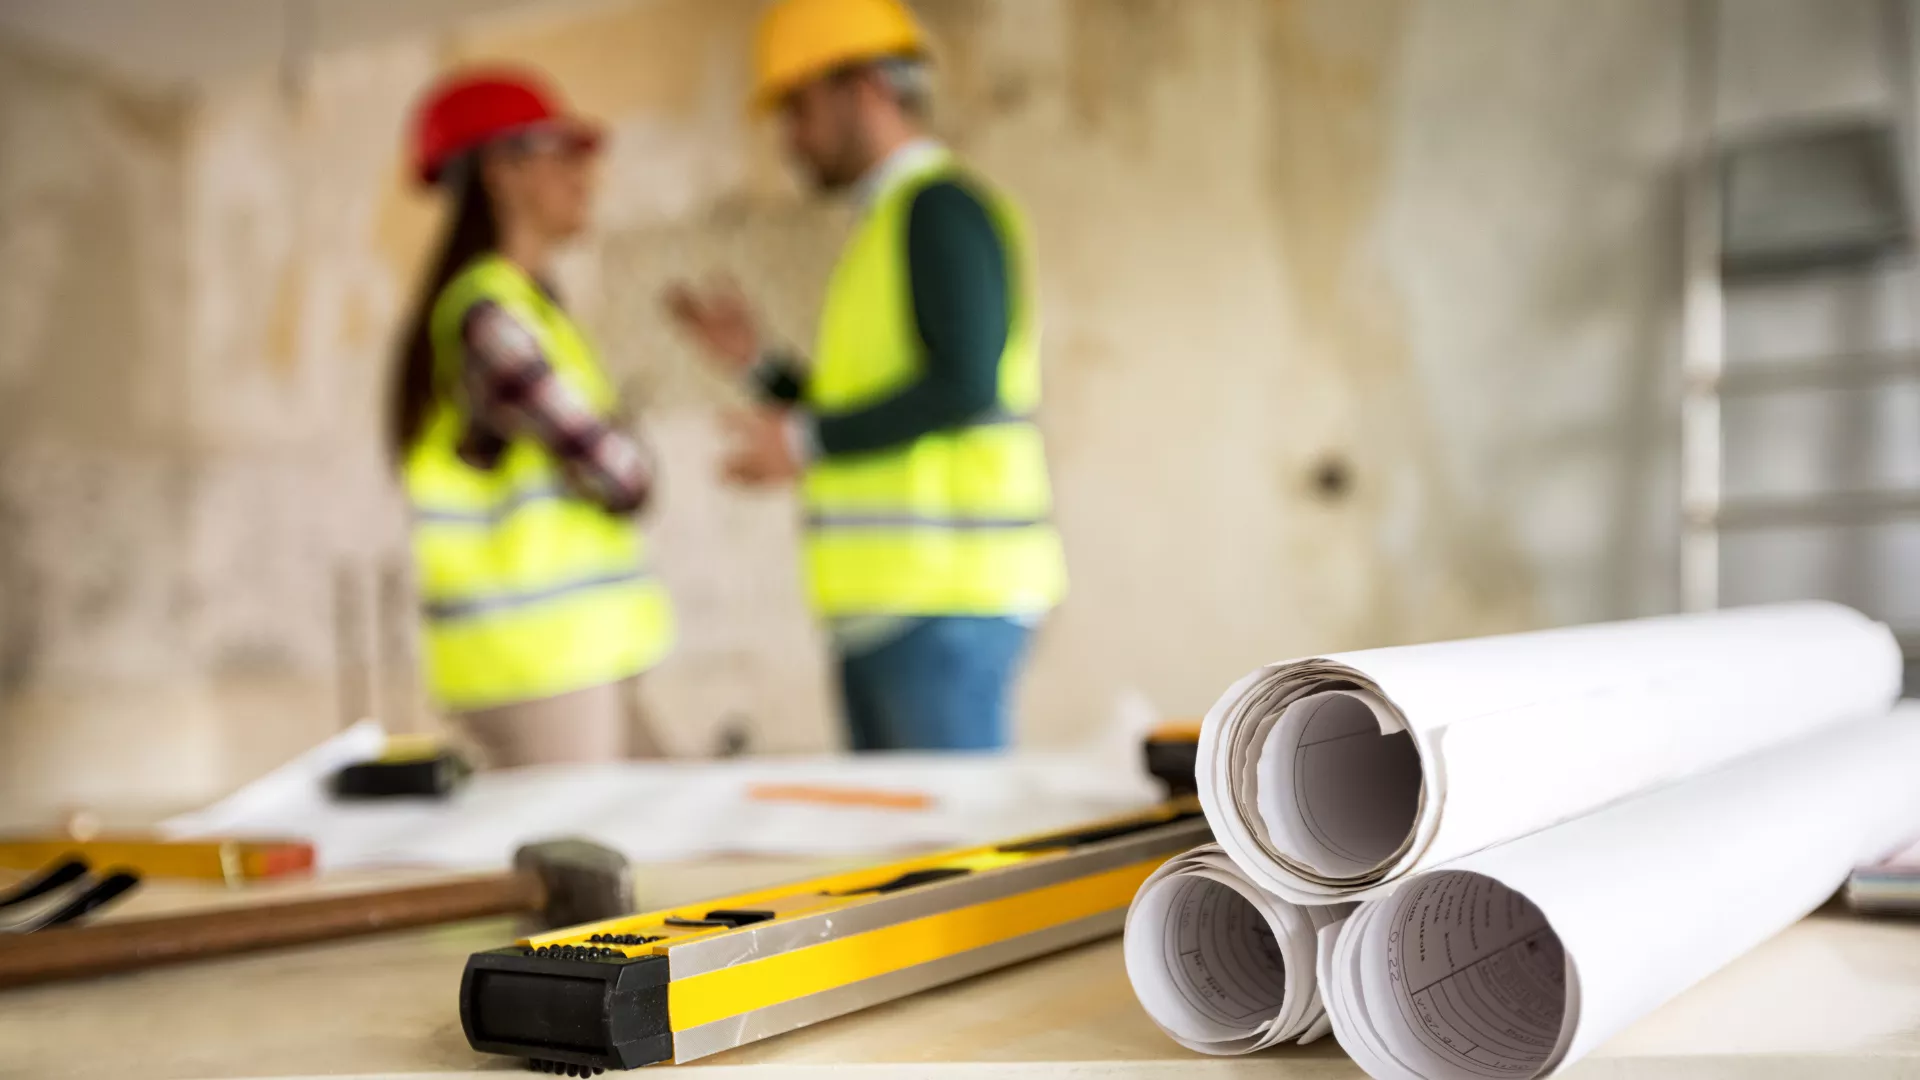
(512, 391)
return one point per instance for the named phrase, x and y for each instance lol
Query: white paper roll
(1333, 778)
(1518, 960)
(1219, 965)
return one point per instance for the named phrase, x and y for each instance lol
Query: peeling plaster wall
(1358, 326)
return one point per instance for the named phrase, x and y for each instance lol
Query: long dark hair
(473, 231)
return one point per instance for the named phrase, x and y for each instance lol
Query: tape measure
(1172, 750)
(409, 765)
(676, 985)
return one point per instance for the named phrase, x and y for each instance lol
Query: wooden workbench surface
(1833, 996)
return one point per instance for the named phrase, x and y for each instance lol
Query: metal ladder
(1708, 379)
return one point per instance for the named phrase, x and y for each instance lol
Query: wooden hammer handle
(99, 949)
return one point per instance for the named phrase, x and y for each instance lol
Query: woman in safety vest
(540, 607)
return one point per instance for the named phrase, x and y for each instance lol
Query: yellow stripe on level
(847, 883)
(839, 890)
(716, 995)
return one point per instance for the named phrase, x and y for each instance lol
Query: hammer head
(584, 882)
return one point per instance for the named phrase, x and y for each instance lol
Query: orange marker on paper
(841, 796)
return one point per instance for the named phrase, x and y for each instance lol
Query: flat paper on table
(674, 810)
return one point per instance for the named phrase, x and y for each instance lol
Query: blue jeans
(943, 685)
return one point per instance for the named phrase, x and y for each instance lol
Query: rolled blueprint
(1518, 960)
(1220, 966)
(1329, 778)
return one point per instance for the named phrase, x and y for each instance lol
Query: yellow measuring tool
(684, 983)
(231, 861)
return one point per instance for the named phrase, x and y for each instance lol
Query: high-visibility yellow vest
(959, 521)
(529, 591)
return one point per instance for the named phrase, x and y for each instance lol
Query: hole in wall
(1330, 478)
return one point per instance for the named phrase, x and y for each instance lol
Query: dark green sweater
(957, 269)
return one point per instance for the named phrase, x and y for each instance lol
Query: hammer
(564, 882)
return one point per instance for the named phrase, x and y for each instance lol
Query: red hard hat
(471, 108)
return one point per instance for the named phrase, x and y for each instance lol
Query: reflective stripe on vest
(445, 515)
(527, 590)
(957, 522)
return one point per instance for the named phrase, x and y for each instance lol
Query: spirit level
(685, 983)
(232, 861)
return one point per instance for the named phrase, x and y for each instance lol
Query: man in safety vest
(930, 549)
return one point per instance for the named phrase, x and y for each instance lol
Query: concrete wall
(97, 475)
(1359, 326)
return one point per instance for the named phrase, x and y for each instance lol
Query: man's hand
(718, 319)
(762, 453)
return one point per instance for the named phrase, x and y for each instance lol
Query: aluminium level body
(672, 986)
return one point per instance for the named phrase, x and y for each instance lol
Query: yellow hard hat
(804, 39)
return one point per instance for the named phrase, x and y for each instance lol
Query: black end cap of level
(601, 1012)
